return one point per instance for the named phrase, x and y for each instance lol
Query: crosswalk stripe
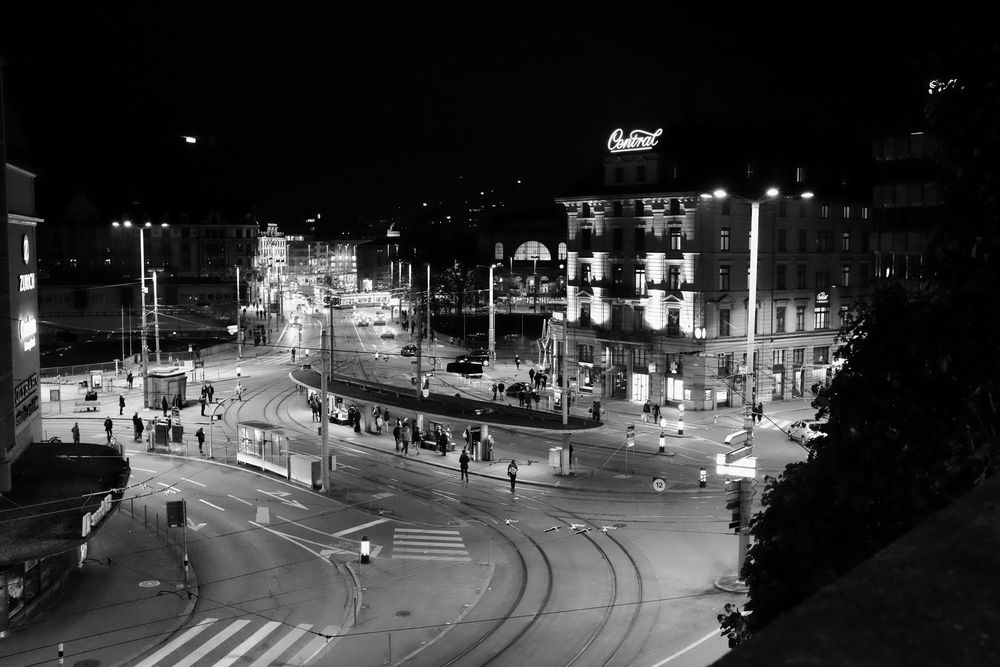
(314, 647)
(187, 636)
(282, 645)
(410, 543)
(429, 532)
(396, 549)
(212, 643)
(248, 644)
(416, 557)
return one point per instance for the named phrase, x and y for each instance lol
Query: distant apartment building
(657, 284)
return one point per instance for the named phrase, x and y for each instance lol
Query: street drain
(620, 525)
(402, 612)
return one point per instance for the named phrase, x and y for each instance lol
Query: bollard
(702, 478)
(663, 441)
(680, 419)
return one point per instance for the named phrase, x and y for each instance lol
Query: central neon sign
(637, 140)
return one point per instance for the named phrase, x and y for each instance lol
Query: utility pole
(156, 319)
(239, 319)
(420, 348)
(428, 301)
(325, 426)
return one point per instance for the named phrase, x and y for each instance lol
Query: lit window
(562, 251)
(845, 242)
(498, 251)
(724, 239)
(724, 277)
(532, 250)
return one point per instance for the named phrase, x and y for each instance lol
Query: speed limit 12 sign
(659, 485)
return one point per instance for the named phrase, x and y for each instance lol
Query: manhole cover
(402, 612)
(620, 525)
(149, 584)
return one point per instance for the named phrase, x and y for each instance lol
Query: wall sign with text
(637, 140)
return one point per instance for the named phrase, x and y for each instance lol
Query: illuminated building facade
(657, 283)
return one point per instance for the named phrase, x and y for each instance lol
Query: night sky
(360, 112)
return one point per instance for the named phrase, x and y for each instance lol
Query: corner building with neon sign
(657, 275)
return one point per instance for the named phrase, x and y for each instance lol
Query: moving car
(379, 322)
(408, 350)
(362, 323)
(478, 357)
(387, 334)
(806, 430)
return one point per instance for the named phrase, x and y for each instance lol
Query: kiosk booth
(262, 445)
(164, 381)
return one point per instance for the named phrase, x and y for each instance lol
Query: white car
(806, 430)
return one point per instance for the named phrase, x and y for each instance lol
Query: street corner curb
(731, 584)
(351, 615)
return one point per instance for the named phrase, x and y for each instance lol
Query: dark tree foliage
(913, 411)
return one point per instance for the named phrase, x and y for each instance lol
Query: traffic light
(734, 496)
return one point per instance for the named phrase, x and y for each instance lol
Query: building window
(618, 355)
(640, 281)
(638, 318)
(639, 208)
(822, 320)
(585, 353)
(727, 207)
(864, 275)
(844, 316)
(532, 250)
(802, 240)
(800, 276)
(584, 314)
(824, 240)
(562, 250)
(585, 238)
(778, 359)
(724, 239)
(675, 207)
(618, 275)
(616, 209)
(824, 210)
(845, 242)
(821, 355)
(724, 277)
(617, 317)
(639, 362)
(640, 173)
(800, 318)
(782, 240)
(822, 280)
(619, 174)
(779, 319)
(675, 238)
(617, 236)
(673, 277)
(782, 209)
(585, 210)
(673, 322)
(798, 357)
(800, 174)
(780, 272)
(725, 322)
(585, 273)
(847, 212)
(864, 212)
(845, 275)
(640, 239)
(498, 251)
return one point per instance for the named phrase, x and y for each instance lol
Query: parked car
(408, 350)
(806, 430)
(516, 388)
(477, 357)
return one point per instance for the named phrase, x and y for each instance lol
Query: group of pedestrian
(538, 379)
(404, 434)
(380, 419)
(137, 427)
(595, 410)
(650, 412)
(757, 412)
(734, 625)
(354, 418)
(525, 397)
(316, 405)
(176, 402)
(495, 387)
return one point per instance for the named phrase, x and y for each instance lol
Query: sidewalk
(129, 570)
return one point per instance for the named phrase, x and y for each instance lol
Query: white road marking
(282, 496)
(312, 649)
(146, 470)
(202, 500)
(409, 543)
(269, 657)
(432, 557)
(195, 526)
(212, 643)
(185, 479)
(170, 488)
(240, 499)
(428, 531)
(177, 643)
(248, 644)
(348, 531)
(684, 650)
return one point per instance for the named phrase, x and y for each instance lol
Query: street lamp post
(492, 340)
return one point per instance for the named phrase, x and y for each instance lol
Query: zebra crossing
(423, 544)
(214, 642)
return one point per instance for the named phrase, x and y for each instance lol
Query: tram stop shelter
(164, 381)
(262, 445)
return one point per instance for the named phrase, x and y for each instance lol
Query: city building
(657, 275)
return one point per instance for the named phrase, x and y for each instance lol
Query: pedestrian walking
(397, 434)
(517, 362)
(136, 426)
(211, 393)
(76, 433)
(656, 413)
(500, 388)
(128, 379)
(404, 436)
(415, 437)
(293, 355)
(121, 404)
(531, 377)
(442, 441)
(760, 411)
(238, 390)
(512, 473)
(646, 412)
(463, 462)
(164, 405)
(493, 388)
(108, 425)
(200, 434)
(202, 400)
